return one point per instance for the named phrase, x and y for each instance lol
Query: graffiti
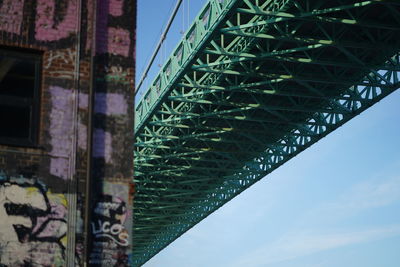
(33, 219)
(79, 252)
(112, 213)
(115, 232)
(83, 104)
(108, 230)
(61, 130)
(113, 40)
(79, 242)
(115, 74)
(46, 27)
(115, 7)
(11, 16)
(59, 167)
(110, 224)
(83, 101)
(117, 42)
(111, 104)
(103, 147)
(56, 20)
(60, 63)
(65, 55)
(33, 224)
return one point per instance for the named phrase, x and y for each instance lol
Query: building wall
(70, 195)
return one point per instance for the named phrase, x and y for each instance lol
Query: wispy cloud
(377, 191)
(373, 193)
(323, 227)
(294, 245)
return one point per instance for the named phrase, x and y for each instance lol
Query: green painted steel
(252, 84)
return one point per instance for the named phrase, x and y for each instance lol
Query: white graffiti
(58, 62)
(116, 232)
(116, 74)
(110, 227)
(32, 224)
(66, 55)
(103, 208)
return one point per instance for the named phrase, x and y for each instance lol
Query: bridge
(251, 85)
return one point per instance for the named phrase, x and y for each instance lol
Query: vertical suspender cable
(188, 14)
(163, 36)
(183, 19)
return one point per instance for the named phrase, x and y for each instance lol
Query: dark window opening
(19, 96)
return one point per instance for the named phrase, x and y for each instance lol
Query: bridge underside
(266, 81)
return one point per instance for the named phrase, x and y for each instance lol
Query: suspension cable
(163, 36)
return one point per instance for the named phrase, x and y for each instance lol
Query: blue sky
(336, 204)
(153, 16)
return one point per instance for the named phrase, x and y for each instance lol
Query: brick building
(66, 132)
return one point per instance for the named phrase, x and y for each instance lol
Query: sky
(335, 204)
(153, 16)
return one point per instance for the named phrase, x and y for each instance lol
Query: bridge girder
(252, 84)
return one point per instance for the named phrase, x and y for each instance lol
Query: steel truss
(252, 84)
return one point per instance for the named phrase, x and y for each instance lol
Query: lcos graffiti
(33, 224)
(110, 215)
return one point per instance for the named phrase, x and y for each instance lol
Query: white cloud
(317, 229)
(294, 245)
(381, 190)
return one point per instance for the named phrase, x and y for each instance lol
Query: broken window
(19, 96)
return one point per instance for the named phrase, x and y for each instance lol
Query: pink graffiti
(101, 26)
(110, 104)
(115, 7)
(11, 14)
(102, 145)
(59, 167)
(61, 130)
(52, 225)
(110, 39)
(117, 41)
(61, 121)
(47, 29)
(83, 101)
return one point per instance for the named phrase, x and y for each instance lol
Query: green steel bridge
(251, 85)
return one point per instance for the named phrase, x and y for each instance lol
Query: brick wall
(85, 130)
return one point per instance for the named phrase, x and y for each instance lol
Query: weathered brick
(57, 156)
